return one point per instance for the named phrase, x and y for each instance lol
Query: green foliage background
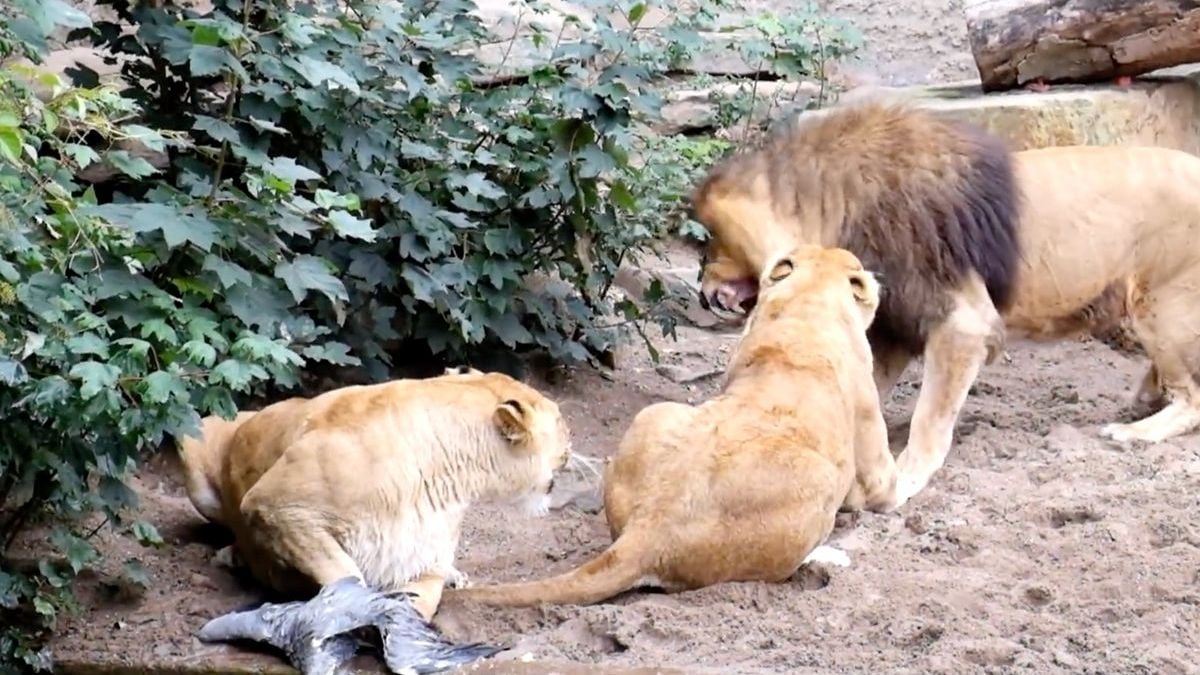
(349, 189)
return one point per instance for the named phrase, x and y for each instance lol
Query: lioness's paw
(829, 556)
(226, 557)
(457, 579)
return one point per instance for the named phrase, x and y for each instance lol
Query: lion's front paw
(1128, 433)
(1116, 432)
(457, 579)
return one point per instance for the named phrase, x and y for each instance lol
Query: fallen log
(1015, 42)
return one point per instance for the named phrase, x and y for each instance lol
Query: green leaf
(412, 150)
(43, 607)
(636, 13)
(161, 386)
(593, 161)
(218, 129)
(78, 551)
(177, 227)
(9, 272)
(146, 136)
(621, 195)
(82, 155)
(147, 534)
(228, 273)
(310, 273)
(328, 199)
(12, 372)
(317, 72)
(159, 330)
(265, 125)
(501, 242)
(237, 374)
(135, 571)
(88, 344)
(347, 225)
(134, 167)
(510, 331)
(96, 377)
(287, 169)
(205, 34)
(53, 574)
(10, 145)
(332, 352)
(475, 183)
(206, 60)
(59, 13)
(199, 352)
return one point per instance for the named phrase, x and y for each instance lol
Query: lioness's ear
(512, 419)
(781, 270)
(864, 286)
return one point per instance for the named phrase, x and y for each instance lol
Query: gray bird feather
(321, 634)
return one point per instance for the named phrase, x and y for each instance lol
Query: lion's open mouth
(732, 300)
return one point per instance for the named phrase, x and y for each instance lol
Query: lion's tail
(202, 457)
(618, 569)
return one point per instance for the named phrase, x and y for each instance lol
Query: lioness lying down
(745, 486)
(367, 486)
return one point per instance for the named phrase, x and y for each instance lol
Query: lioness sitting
(371, 482)
(745, 486)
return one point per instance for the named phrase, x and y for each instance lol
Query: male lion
(974, 242)
(746, 485)
(367, 486)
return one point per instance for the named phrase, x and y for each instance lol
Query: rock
(1159, 110)
(687, 375)
(691, 109)
(1015, 42)
(683, 299)
(587, 500)
(1162, 112)
(1065, 660)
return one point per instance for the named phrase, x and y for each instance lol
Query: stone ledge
(1159, 111)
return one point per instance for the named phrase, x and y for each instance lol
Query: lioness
(746, 485)
(974, 243)
(372, 482)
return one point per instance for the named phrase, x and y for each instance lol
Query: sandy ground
(1038, 547)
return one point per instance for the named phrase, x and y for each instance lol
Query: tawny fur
(746, 485)
(373, 481)
(975, 244)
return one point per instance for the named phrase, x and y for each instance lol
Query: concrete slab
(1161, 111)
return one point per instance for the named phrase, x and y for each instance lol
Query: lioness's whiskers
(583, 467)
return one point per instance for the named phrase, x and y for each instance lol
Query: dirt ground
(1039, 547)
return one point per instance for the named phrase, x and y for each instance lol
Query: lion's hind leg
(1164, 325)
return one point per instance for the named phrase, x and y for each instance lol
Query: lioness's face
(551, 443)
(813, 269)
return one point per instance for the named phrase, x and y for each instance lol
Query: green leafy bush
(277, 192)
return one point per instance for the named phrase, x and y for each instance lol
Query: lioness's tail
(202, 457)
(616, 570)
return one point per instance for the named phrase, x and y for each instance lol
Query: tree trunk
(1060, 41)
